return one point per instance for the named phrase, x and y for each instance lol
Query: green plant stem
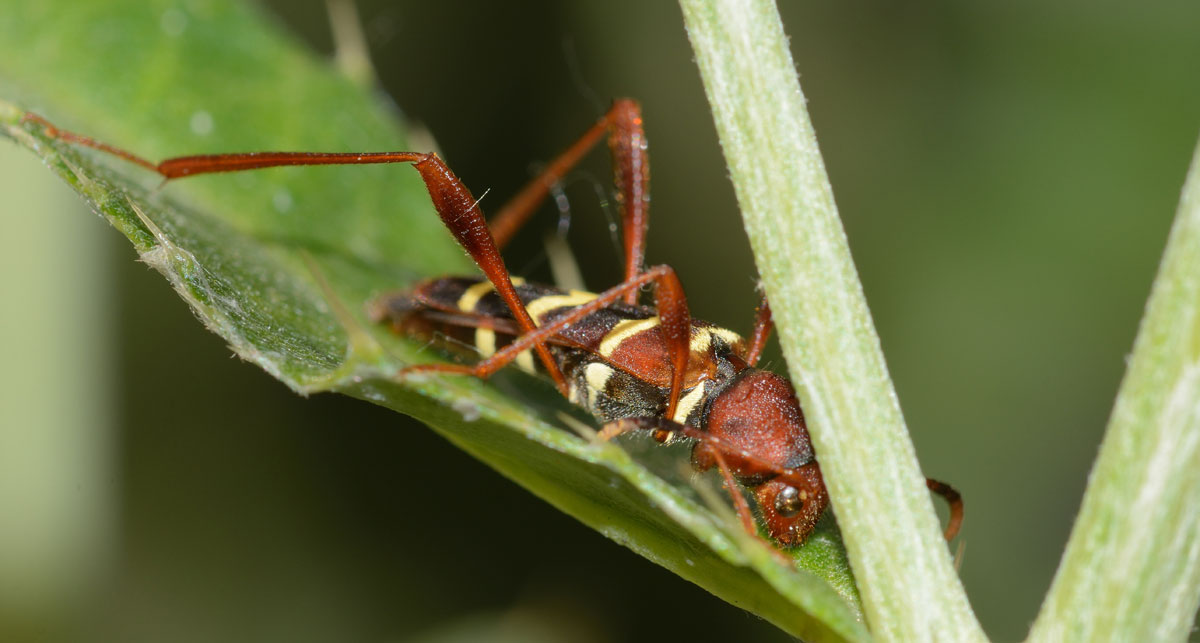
(909, 588)
(1131, 571)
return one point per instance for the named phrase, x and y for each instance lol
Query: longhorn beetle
(634, 367)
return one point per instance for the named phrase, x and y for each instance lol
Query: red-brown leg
(676, 324)
(735, 492)
(183, 166)
(954, 500)
(761, 333)
(461, 214)
(516, 212)
(631, 176)
(631, 169)
(453, 201)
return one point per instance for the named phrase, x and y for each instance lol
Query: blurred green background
(1007, 173)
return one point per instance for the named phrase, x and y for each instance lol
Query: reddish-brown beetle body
(634, 367)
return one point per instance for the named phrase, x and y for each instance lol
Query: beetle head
(759, 430)
(791, 504)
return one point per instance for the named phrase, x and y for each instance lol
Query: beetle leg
(954, 500)
(458, 209)
(762, 331)
(631, 177)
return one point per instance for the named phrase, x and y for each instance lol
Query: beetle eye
(788, 503)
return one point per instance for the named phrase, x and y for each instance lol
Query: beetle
(634, 367)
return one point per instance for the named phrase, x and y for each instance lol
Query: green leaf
(280, 263)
